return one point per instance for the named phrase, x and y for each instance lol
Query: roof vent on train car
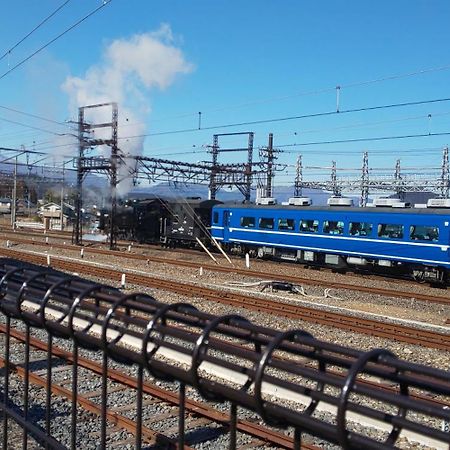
(266, 201)
(300, 201)
(401, 205)
(438, 203)
(387, 202)
(340, 201)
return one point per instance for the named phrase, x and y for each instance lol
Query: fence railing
(290, 379)
(32, 225)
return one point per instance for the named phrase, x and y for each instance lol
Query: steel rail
(100, 317)
(253, 273)
(88, 405)
(253, 429)
(401, 333)
(193, 405)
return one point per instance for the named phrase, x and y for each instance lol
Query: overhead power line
(317, 91)
(300, 133)
(369, 139)
(288, 118)
(33, 115)
(105, 2)
(8, 52)
(326, 113)
(7, 149)
(281, 119)
(32, 127)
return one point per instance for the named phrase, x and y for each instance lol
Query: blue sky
(240, 61)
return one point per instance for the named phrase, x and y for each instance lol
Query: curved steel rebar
(284, 377)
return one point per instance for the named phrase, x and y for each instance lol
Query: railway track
(247, 272)
(411, 335)
(199, 413)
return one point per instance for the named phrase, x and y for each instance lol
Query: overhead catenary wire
(39, 25)
(354, 110)
(337, 86)
(279, 119)
(35, 116)
(295, 117)
(105, 2)
(32, 127)
(363, 124)
(368, 139)
(409, 151)
(313, 92)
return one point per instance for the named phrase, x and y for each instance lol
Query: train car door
(226, 224)
(163, 229)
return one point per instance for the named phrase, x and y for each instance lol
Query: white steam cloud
(129, 69)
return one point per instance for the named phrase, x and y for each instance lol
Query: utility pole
(249, 168)
(212, 180)
(269, 185)
(113, 177)
(445, 180)
(364, 181)
(14, 199)
(398, 181)
(268, 153)
(334, 183)
(298, 177)
(62, 200)
(78, 228)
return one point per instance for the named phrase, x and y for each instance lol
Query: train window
(333, 227)
(286, 224)
(390, 230)
(309, 226)
(215, 217)
(248, 222)
(423, 233)
(266, 223)
(360, 229)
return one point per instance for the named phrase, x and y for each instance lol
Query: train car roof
(202, 203)
(338, 209)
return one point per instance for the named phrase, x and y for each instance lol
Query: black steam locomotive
(170, 222)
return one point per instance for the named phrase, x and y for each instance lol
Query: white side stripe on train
(375, 255)
(330, 236)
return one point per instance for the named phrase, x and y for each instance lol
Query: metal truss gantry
(176, 172)
(400, 181)
(268, 155)
(96, 164)
(217, 178)
(213, 173)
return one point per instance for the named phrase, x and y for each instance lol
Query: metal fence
(290, 379)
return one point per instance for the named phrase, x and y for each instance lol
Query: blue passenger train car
(408, 240)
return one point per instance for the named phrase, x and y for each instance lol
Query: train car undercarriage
(434, 275)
